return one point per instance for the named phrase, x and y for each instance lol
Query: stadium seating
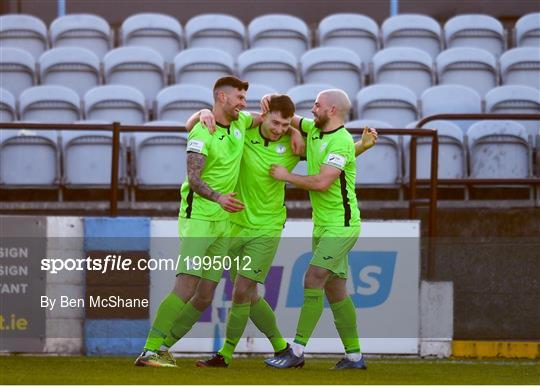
(381, 165)
(304, 97)
(157, 31)
(216, 30)
(301, 168)
(273, 67)
(73, 67)
(451, 99)
(49, 103)
(22, 31)
(29, 159)
(87, 158)
(475, 30)
(8, 106)
(139, 67)
(521, 66)
(516, 99)
(254, 95)
(178, 102)
(279, 31)
(499, 149)
(17, 70)
(159, 158)
(337, 66)
(356, 32)
(394, 104)
(467, 66)
(82, 30)
(412, 30)
(527, 31)
(202, 66)
(120, 103)
(405, 66)
(452, 162)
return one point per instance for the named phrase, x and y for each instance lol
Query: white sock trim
(356, 356)
(298, 349)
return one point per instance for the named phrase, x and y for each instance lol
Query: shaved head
(337, 98)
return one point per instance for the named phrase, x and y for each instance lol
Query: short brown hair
(231, 81)
(283, 104)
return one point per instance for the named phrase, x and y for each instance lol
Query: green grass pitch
(18, 369)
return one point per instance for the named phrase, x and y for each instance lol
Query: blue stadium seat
(115, 103)
(521, 66)
(49, 103)
(17, 70)
(475, 30)
(8, 106)
(178, 102)
(394, 104)
(82, 30)
(202, 66)
(25, 32)
(527, 30)
(157, 31)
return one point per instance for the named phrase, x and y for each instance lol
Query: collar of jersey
(228, 127)
(321, 134)
(266, 140)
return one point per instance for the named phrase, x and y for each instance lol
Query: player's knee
(244, 291)
(314, 279)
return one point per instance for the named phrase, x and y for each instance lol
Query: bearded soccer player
(213, 164)
(336, 218)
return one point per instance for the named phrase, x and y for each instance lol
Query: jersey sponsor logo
(280, 148)
(371, 274)
(335, 160)
(237, 133)
(195, 146)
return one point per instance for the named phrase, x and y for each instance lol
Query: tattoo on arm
(195, 165)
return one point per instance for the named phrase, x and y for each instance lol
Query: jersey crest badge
(237, 134)
(280, 148)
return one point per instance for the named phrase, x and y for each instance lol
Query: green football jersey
(263, 196)
(338, 205)
(223, 151)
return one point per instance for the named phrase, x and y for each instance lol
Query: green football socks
(264, 319)
(309, 315)
(168, 311)
(236, 323)
(345, 320)
(182, 324)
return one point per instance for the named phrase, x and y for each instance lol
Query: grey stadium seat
(451, 99)
(475, 30)
(499, 149)
(159, 157)
(29, 159)
(336, 66)
(354, 31)
(87, 158)
(412, 30)
(22, 31)
(49, 103)
(216, 30)
(406, 66)
(467, 66)
(394, 104)
(82, 30)
(304, 97)
(8, 106)
(72, 67)
(255, 94)
(17, 70)
(120, 103)
(380, 165)
(301, 168)
(138, 67)
(273, 67)
(516, 99)
(279, 31)
(202, 66)
(527, 30)
(179, 102)
(157, 31)
(521, 66)
(452, 153)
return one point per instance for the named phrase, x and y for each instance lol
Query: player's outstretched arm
(205, 116)
(195, 165)
(368, 140)
(319, 182)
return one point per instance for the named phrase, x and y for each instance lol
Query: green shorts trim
(259, 245)
(202, 238)
(331, 246)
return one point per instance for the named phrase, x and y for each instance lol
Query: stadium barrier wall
(396, 313)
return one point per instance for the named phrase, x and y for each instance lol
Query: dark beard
(320, 122)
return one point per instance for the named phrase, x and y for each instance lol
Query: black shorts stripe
(189, 203)
(345, 199)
